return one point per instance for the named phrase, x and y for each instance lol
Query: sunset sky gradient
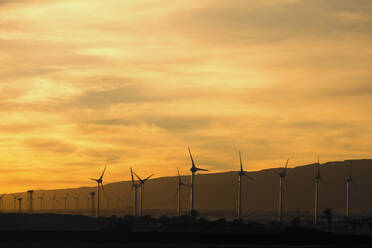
(133, 83)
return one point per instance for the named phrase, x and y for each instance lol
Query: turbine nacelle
(349, 178)
(242, 172)
(193, 167)
(143, 181)
(283, 173)
(318, 177)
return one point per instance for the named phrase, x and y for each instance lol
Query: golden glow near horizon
(133, 83)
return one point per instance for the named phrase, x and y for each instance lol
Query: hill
(218, 191)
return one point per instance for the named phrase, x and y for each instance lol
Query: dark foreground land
(80, 231)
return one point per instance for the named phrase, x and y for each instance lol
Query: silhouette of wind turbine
(1, 201)
(92, 197)
(87, 197)
(317, 179)
(77, 201)
(65, 198)
(54, 199)
(142, 189)
(118, 200)
(349, 181)
(41, 198)
(241, 173)
(15, 201)
(282, 179)
(179, 185)
(99, 184)
(193, 170)
(20, 204)
(135, 186)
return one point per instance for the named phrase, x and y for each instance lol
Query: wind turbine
(349, 181)
(92, 198)
(193, 170)
(118, 200)
(77, 201)
(15, 201)
(241, 173)
(99, 183)
(20, 205)
(108, 200)
(87, 197)
(179, 185)
(317, 179)
(135, 186)
(1, 201)
(41, 198)
(54, 198)
(142, 189)
(282, 179)
(66, 200)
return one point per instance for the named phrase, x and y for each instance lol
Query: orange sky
(133, 83)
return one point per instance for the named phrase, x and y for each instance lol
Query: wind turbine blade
(130, 195)
(179, 177)
(138, 177)
(192, 160)
(104, 192)
(131, 173)
(147, 178)
(201, 169)
(318, 170)
(250, 178)
(286, 185)
(285, 168)
(103, 173)
(241, 164)
(321, 179)
(94, 179)
(278, 173)
(350, 171)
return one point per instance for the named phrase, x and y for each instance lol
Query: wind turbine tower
(142, 189)
(118, 200)
(15, 201)
(135, 186)
(179, 186)
(282, 179)
(241, 173)
(193, 170)
(20, 205)
(88, 198)
(99, 185)
(92, 198)
(77, 201)
(30, 200)
(54, 199)
(349, 181)
(317, 179)
(65, 198)
(1, 202)
(41, 198)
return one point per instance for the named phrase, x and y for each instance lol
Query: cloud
(135, 83)
(242, 22)
(49, 145)
(126, 94)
